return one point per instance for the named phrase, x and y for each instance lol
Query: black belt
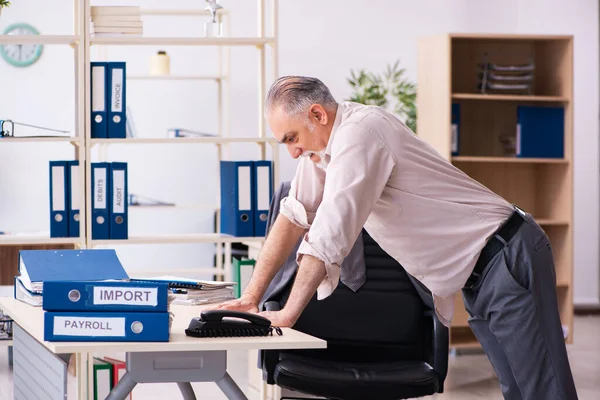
(494, 245)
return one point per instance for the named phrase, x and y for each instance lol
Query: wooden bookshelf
(448, 68)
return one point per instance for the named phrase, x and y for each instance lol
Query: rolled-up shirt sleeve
(306, 193)
(358, 172)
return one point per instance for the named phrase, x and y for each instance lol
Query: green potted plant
(391, 90)
(4, 3)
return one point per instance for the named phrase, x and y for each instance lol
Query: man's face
(302, 134)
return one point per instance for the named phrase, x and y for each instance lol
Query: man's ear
(318, 112)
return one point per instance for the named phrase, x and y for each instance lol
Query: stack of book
(110, 21)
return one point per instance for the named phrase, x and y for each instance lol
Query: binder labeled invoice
(59, 200)
(237, 216)
(117, 86)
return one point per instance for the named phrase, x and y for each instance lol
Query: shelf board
(215, 140)
(17, 139)
(179, 12)
(509, 160)
(508, 97)
(22, 239)
(551, 222)
(38, 39)
(176, 41)
(179, 239)
(176, 207)
(175, 77)
(6, 342)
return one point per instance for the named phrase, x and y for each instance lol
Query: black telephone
(215, 323)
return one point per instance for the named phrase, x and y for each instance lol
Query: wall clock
(21, 55)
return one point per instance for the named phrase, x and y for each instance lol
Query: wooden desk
(31, 321)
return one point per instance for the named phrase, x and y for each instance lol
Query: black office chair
(383, 342)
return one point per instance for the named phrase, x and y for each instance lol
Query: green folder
(103, 379)
(242, 271)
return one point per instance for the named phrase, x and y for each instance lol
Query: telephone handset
(229, 323)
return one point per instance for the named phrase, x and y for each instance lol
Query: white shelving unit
(82, 43)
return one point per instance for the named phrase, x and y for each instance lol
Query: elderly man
(361, 166)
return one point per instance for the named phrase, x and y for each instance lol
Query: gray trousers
(514, 314)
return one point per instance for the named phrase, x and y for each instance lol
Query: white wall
(321, 38)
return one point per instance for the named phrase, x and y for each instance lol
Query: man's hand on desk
(279, 318)
(246, 302)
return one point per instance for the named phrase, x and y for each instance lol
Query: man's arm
(280, 242)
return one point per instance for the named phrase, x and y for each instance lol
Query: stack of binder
(246, 192)
(114, 21)
(39, 266)
(106, 311)
(110, 195)
(109, 99)
(64, 198)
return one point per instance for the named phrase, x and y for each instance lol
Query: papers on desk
(194, 291)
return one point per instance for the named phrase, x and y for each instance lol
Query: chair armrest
(440, 347)
(269, 358)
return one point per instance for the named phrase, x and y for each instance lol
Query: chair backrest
(381, 321)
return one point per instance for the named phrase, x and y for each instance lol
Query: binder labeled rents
(100, 198)
(99, 128)
(118, 201)
(105, 296)
(262, 194)
(106, 326)
(59, 199)
(74, 189)
(237, 217)
(117, 117)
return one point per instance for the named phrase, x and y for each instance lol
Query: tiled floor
(469, 376)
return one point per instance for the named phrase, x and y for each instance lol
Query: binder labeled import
(118, 210)
(100, 194)
(237, 217)
(117, 119)
(99, 128)
(59, 200)
(105, 296)
(262, 193)
(106, 326)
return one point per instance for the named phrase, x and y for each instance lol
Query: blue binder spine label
(89, 326)
(125, 296)
(100, 185)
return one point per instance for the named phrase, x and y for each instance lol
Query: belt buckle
(477, 276)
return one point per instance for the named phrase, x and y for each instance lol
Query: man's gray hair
(297, 93)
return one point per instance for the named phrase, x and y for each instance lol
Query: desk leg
(230, 388)
(186, 390)
(122, 388)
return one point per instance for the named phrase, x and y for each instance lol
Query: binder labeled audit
(74, 189)
(262, 193)
(100, 198)
(237, 216)
(118, 204)
(98, 92)
(59, 200)
(117, 119)
(105, 296)
(106, 326)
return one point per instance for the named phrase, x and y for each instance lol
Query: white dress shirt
(423, 211)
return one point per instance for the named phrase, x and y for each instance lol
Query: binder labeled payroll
(39, 266)
(100, 198)
(540, 132)
(262, 194)
(75, 326)
(455, 144)
(118, 203)
(105, 296)
(117, 116)
(237, 216)
(99, 128)
(59, 199)
(74, 197)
